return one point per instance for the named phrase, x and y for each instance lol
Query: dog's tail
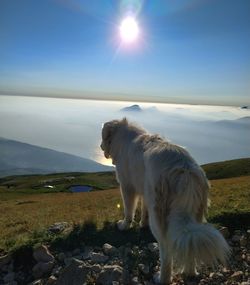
(192, 244)
(190, 241)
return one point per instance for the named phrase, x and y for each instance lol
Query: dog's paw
(123, 225)
(157, 278)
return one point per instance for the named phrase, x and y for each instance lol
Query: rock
(61, 256)
(153, 247)
(68, 254)
(109, 249)
(135, 281)
(42, 254)
(216, 275)
(109, 274)
(51, 280)
(58, 227)
(4, 260)
(67, 261)
(42, 268)
(143, 268)
(74, 274)
(8, 278)
(236, 238)
(87, 253)
(237, 276)
(76, 251)
(248, 258)
(238, 232)
(245, 283)
(56, 270)
(243, 241)
(98, 257)
(97, 268)
(212, 275)
(225, 232)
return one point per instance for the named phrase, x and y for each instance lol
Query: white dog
(174, 192)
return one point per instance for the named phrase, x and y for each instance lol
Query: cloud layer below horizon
(210, 133)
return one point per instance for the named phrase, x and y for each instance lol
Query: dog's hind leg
(130, 199)
(166, 264)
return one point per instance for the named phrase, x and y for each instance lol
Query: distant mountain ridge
(133, 108)
(243, 122)
(138, 109)
(18, 158)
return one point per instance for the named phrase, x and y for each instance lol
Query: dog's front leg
(144, 214)
(129, 201)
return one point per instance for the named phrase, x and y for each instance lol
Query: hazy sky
(195, 51)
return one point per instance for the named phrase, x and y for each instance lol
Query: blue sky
(194, 51)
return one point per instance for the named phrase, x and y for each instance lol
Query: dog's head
(108, 132)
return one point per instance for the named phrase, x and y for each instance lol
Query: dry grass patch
(20, 217)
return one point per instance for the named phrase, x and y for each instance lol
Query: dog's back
(176, 190)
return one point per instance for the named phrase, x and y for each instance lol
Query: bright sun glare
(129, 30)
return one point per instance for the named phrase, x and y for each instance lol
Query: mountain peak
(132, 108)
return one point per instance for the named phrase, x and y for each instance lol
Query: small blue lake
(80, 188)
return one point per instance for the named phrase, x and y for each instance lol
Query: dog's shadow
(90, 235)
(233, 220)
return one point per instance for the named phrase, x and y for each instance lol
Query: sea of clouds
(210, 133)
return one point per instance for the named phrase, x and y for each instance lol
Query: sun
(129, 30)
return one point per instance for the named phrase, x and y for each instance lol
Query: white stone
(109, 249)
(153, 247)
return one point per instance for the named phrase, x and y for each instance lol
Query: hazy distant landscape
(18, 158)
(210, 133)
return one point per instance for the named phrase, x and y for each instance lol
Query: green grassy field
(27, 209)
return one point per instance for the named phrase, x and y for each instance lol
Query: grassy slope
(34, 184)
(24, 216)
(228, 169)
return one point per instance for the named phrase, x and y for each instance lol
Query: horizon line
(123, 98)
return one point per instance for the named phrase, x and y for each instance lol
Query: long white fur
(174, 191)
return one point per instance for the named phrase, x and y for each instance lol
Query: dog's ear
(108, 132)
(124, 121)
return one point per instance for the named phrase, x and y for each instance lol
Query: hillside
(59, 182)
(107, 180)
(17, 158)
(228, 169)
